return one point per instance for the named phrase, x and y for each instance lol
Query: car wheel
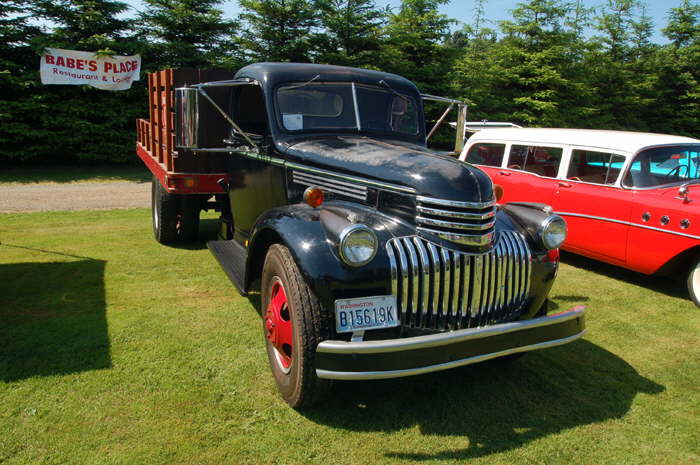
(164, 210)
(693, 282)
(188, 218)
(293, 325)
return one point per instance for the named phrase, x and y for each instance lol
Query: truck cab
(375, 257)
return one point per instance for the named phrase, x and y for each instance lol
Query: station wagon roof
(624, 141)
(271, 74)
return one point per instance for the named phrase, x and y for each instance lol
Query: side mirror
(186, 118)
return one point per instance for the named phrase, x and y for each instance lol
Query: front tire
(693, 281)
(293, 324)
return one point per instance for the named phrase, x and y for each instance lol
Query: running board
(232, 258)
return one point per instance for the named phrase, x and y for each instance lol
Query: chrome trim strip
(455, 203)
(347, 185)
(627, 223)
(457, 214)
(450, 224)
(328, 186)
(258, 156)
(466, 239)
(368, 375)
(365, 181)
(447, 338)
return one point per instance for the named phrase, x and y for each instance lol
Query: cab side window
(486, 154)
(249, 110)
(595, 167)
(543, 161)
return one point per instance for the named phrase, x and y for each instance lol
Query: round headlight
(553, 232)
(358, 245)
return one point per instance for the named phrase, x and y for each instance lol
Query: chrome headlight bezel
(344, 241)
(546, 230)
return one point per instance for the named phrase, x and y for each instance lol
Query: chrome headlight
(357, 245)
(552, 232)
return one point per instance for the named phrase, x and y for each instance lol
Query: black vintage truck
(375, 257)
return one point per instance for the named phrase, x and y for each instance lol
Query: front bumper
(394, 358)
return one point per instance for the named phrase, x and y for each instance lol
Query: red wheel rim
(278, 325)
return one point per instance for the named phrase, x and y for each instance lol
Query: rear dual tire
(175, 217)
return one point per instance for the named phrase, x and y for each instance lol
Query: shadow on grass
(496, 406)
(662, 284)
(208, 229)
(52, 318)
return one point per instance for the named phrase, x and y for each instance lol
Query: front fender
(310, 235)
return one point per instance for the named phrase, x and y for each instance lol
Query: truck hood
(409, 165)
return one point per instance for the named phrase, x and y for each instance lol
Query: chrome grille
(347, 189)
(444, 289)
(469, 223)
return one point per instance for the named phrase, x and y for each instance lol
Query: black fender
(311, 235)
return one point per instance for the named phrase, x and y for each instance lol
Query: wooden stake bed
(179, 171)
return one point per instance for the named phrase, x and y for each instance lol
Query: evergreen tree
(278, 30)
(190, 33)
(352, 32)
(18, 81)
(677, 108)
(619, 80)
(532, 74)
(81, 122)
(416, 47)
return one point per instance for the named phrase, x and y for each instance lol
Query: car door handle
(564, 184)
(504, 173)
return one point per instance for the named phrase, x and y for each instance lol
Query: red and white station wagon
(630, 199)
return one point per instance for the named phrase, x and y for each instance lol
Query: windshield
(346, 106)
(664, 165)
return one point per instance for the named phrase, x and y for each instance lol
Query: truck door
(257, 183)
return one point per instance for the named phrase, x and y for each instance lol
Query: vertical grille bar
(424, 304)
(475, 300)
(438, 316)
(413, 281)
(439, 288)
(456, 278)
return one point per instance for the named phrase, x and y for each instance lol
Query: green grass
(114, 349)
(36, 174)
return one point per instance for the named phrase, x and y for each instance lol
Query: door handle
(564, 184)
(504, 173)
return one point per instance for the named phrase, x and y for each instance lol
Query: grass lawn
(35, 174)
(114, 349)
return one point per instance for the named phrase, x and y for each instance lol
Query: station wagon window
(346, 106)
(535, 159)
(486, 154)
(595, 167)
(664, 165)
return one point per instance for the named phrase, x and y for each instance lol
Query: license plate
(365, 313)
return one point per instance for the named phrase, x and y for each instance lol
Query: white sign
(85, 68)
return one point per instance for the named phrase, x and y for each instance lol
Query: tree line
(552, 63)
